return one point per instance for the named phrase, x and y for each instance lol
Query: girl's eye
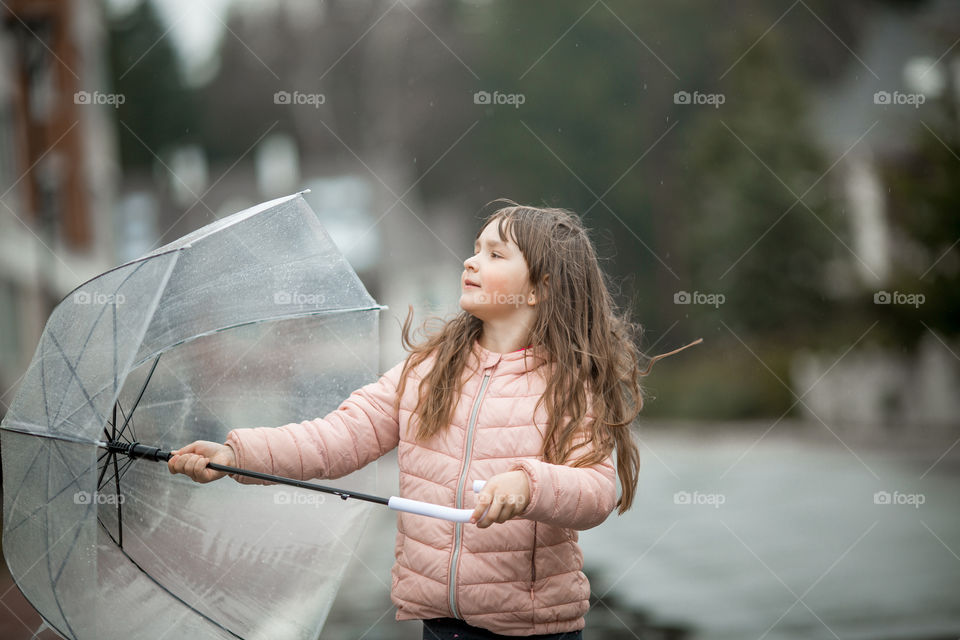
(494, 255)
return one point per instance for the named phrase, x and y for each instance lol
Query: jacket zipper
(458, 528)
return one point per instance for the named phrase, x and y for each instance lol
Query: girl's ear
(532, 298)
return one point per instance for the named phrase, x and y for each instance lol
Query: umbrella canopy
(254, 320)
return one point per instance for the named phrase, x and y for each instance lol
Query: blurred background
(780, 178)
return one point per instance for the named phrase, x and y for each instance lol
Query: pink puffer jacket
(520, 577)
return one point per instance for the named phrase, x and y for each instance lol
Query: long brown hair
(591, 343)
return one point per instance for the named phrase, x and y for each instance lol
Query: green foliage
(760, 221)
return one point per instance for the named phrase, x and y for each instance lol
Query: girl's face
(495, 281)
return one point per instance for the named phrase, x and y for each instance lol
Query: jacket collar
(514, 362)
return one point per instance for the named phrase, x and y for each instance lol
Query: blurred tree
(599, 82)
(158, 108)
(596, 100)
(683, 214)
(759, 218)
(922, 204)
(393, 94)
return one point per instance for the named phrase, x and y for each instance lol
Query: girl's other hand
(192, 460)
(506, 495)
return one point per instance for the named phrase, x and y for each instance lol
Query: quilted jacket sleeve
(571, 497)
(363, 428)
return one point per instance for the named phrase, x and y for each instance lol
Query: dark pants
(452, 628)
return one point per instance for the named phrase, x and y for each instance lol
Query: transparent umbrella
(254, 320)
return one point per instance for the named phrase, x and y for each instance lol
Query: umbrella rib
(116, 481)
(136, 404)
(124, 415)
(99, 458)
(84, 347)
(17, 494)
(237, 325)
(115, 390)
(103, 471)
(83, 389)
(12, 528)
(43, 388)
(89, 505)
(46, 528)
(116, 475)
(111, 461)
(106, 530)
(133, 434)
(99, 391)
(73, 480)
(49, 499)
(125, 466)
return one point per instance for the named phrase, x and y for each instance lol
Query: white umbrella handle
(434, 510)
(429, 509)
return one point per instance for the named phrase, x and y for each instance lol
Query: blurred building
(356, 156)
(57, 167)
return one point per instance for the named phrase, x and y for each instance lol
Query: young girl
(530, 388)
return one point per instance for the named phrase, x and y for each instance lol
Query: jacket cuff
(537, 483)
(235, 442)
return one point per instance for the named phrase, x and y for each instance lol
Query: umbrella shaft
(137, 450)
(297, 483)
